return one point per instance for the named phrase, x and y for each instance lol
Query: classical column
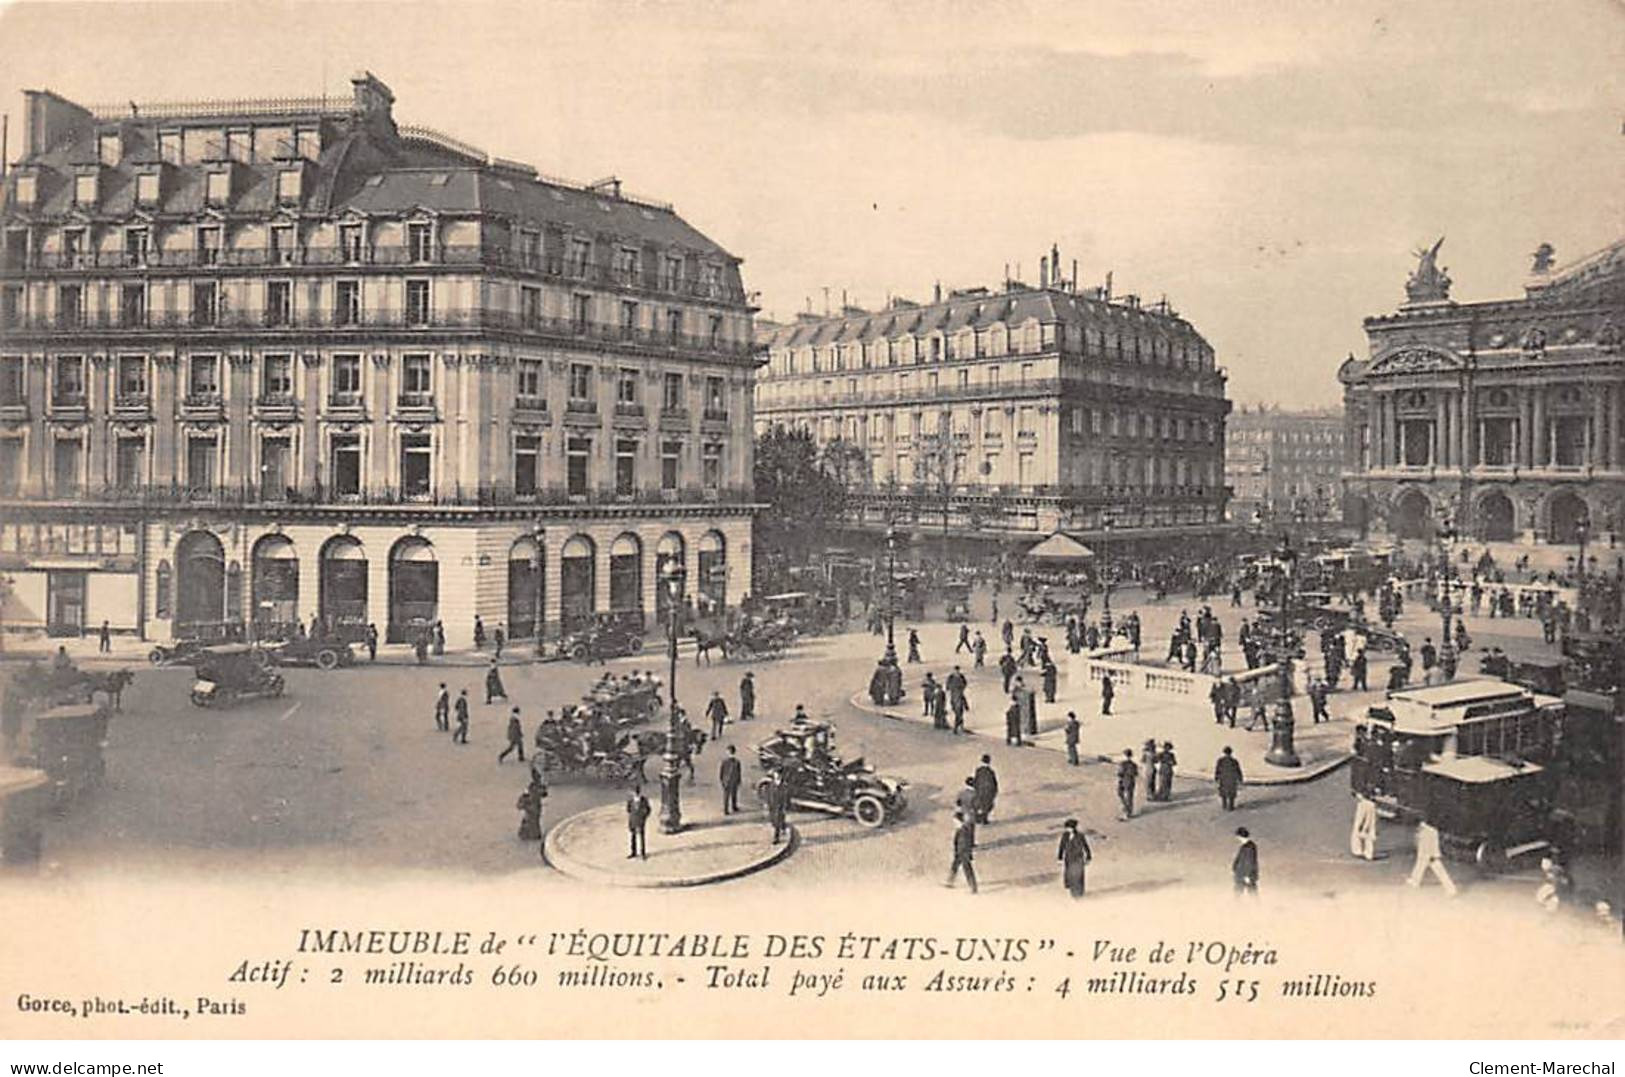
(1596, 449)
(1465, 416)
(1537, 431)
(1441, 431)
(1615, 449)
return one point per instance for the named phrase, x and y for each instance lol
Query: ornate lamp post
(1447, 593)
(537, 569)
(1106, 524)
(886, 684)
(671, 807)
(1282, 753)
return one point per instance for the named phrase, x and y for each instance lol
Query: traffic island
(712, 848)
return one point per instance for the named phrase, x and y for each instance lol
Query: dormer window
(26, 188)
(109, 148)
(84, 189)
(309, 143)
(240, 146)
(146, 188)
(170, 147)
(219, 188)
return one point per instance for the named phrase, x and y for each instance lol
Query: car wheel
(156, 656)
(869, 811)
(199, 699)
(263, 657)
(763, 787)
(579, 652)
(327, 660)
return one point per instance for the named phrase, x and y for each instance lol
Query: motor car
(819, 780)
(324, 654)
(231, 672)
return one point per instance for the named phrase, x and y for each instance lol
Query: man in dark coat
(479, 633)
(499, 637)
(1227, 776)
(1128, 777)
(637, 818)
(747, 697)
(1012, 724)
(1007, 668)
(442, 709)
(1244, 868)
(493, 685)
(372, 643)
(460, 709)
(987, 790)
(717, 710)
(778, 805)
(913, 645)
(956, 685)
(1050, 674)
(964, 851)
(964, 638)
(1074, 855)
(516, 737)
(1073, 729)
(965, 802)
(530, 808)
(104, 638)
(730, 775)
(1218, 694)
(1107, 691)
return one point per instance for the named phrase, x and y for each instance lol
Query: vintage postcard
(959, 521)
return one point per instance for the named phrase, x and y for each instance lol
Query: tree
(804, 491)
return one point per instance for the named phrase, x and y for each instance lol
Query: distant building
(997, 415)
(1284, 464)
(264, 361)
(1501, 420)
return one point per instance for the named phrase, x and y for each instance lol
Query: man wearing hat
(1165, 771)
(1073, 729)
(1244, 868)
(1074, 855)
(965, 802)
(964, 851)
(730, 775)
(1227, 776)
(516, 738)
(1128, 776)
(747, 696)
(987, 789)
(717, 711)
(493, 685)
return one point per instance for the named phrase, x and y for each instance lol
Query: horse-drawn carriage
(51, 721)
(589, 739)
(1049, 604)
(629, 700)
(749, 638)
(956, 600)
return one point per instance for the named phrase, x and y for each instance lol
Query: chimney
(1074, 282)
(50, 120)
(1043, 272)
(372, 98)
(936, 293)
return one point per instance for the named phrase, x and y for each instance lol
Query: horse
(113, 684)
(704, 642)
(653, 742)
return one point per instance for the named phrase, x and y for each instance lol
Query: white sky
(1268, 166)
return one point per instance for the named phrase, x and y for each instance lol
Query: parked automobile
(804, 752)
(604, 638)
(324, 654)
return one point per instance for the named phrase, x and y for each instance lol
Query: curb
(568, 865)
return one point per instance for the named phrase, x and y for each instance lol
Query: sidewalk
(592, 846)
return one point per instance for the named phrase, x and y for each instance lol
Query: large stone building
(1284, 464)
(1501, 420)
(1011, 414)
(267, 360)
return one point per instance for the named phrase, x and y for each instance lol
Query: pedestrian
(105, 638)
(493, 685)
(1148, 766)
(1244, 868)
(1008, 633)
(1363, 837)
(460, 708)
(1029, 708)
(440, 638)
(964, 638)
(420, 648)
(928, 695)
(747, 696)
(1107, 691)
(1012, 723)
(442, 709)
(979, 650)
(1358, 671)
(956, 685)
(778, 806)
(516, 737)
(1165, 772)
(964, 852)
(913, 645)
(1074, 855)
(1317, 701)
(1429, 857)
(717, 710)
(479, 633)
(1227, 776)
(730, 775)
(637, 817)
(1007, 669)
(1430, 658)
(987, 790)
(499, 637)
(1050, 674)
(1216, 695)
(372, 642)
(530, 808)
(995, 618)
(1128, 776)
(1232, 700)
(1073, 729)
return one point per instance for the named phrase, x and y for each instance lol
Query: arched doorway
(713, 569)
(414, 589)
(275, 582)
(668, 550)
(1413, 516)
(200, 586)
(626, 577)
(1497, 521)
(578, 582)
(526, 571)
(1567, 511)
(342, 594)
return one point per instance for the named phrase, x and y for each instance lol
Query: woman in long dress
(1074, 855)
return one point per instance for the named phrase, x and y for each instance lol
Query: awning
(1060, 547)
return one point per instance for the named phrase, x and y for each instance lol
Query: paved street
(348, 773)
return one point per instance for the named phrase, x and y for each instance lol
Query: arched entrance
(275, 581)
(713, 569)
(1413, 516)
(1497, 522)
(578, 582)
(414, 589)
(1567, 511)
(526, 571)
(668, 550)
(626, 577)
(200, 587)
(342, 594)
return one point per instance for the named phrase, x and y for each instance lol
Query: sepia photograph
(954, 521)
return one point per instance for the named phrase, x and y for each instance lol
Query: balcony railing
(421, 400)
(456, 318)
(715, 415)
(491, 495)
(581, 407)
(460, 255)
(530, 403)
(629, 409)
(341, 400)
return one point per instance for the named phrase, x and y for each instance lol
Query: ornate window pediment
(1414, 359)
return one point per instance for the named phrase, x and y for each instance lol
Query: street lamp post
(1106, 576)
(536, 623)
(671, 807)
(1282, 752)
(1447, 595)
(886, 685)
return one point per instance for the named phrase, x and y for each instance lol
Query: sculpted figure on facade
(1429, 283)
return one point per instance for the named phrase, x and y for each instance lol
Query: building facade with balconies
(1500, 420)
(264, 361)
(1284, 464)
(1010, 415)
